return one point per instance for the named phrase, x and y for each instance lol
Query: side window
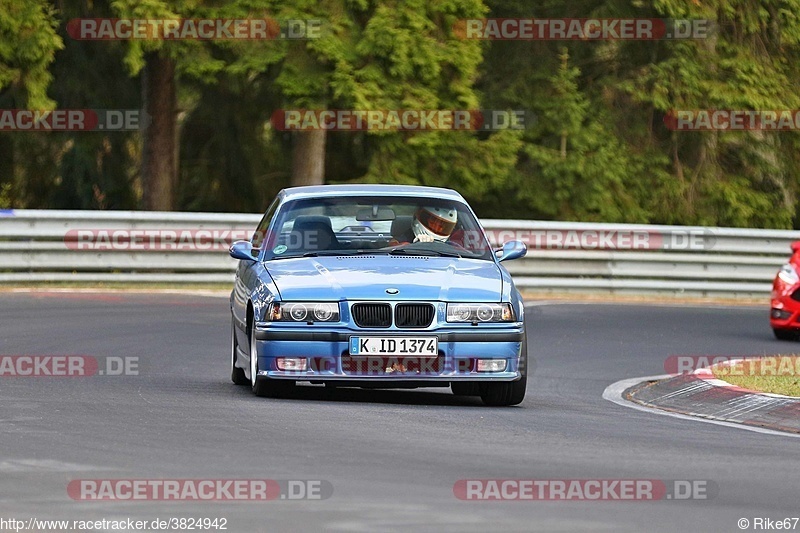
(261, 231)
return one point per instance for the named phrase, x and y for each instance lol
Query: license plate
(417, 346)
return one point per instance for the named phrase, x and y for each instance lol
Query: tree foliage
(599, 149)
(28, 43)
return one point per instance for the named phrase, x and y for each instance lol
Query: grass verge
(774, 374)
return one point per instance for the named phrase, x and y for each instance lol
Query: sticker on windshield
(278, 250)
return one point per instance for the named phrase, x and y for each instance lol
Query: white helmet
(435, 222)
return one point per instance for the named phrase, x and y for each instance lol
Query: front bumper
(784, 309)
(326, 351)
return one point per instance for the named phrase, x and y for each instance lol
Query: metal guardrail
(46, 246)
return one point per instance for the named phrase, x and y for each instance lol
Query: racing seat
(401, 228)
(314, 233)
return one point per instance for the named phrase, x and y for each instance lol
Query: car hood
(368, 277)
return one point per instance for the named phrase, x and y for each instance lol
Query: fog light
(491, 365)
(780, 314)
(298, 364)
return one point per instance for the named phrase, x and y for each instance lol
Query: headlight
(480, 313)
(788, 274)
(304, 312)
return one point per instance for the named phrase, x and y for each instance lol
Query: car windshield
(376, 225)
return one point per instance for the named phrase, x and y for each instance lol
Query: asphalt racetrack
(391, 457)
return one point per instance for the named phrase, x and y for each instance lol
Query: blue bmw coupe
(376, 286)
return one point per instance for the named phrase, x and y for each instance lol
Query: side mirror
(242, 250)
(796, 246)
(513, 250)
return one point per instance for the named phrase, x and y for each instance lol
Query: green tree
(579, 171)
(749, 61)
(160, 63)
(622, 162)
(28, 43)
(409, 56)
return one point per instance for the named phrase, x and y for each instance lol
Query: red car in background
(784, 317)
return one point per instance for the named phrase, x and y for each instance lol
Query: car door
(246, 280)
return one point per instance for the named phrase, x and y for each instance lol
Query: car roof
(323, 191)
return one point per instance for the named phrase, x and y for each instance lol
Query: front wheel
(262, 385)
(785, 334)
(504, 392)
(237, 374)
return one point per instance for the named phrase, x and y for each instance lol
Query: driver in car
(429, 224)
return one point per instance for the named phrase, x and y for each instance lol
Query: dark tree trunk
(158, 153)
(308, 157)
(6, 160)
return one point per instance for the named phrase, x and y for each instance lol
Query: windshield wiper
(324, 253)
(416, 251)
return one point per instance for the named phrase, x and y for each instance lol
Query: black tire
(238, 375)
(263, 386)
(465, 388)
(504, 392)
(508, 392)
(785, 334)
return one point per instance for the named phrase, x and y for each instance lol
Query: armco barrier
(44, 245)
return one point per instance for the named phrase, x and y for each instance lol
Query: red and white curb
(702, 397)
